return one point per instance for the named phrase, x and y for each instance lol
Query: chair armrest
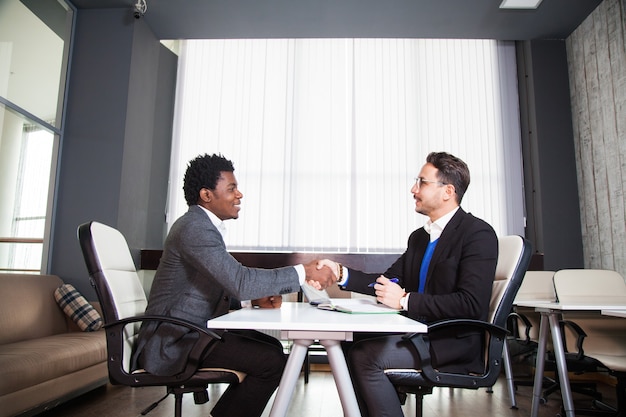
(527, 325)
(421, 343)
(166, 319)
(580, 337)
(206, 338)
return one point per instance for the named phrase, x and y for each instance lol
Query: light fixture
(139, 8)
(520, 4)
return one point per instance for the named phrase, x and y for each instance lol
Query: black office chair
(123, 301)
(513, 260)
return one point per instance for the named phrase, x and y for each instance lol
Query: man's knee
(359, 355)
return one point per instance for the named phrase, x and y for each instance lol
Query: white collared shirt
(435, 229)
(217, 222)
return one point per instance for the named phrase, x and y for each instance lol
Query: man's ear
(205, 195)
(450, 191)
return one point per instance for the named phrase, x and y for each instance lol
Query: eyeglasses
(419, 181)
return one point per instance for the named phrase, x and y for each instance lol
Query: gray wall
(115, 152)
(551, 188)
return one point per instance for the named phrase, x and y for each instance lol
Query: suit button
(225, 298)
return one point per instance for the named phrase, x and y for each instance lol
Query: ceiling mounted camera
(139, 9)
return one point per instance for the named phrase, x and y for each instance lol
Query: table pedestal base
(338, 367)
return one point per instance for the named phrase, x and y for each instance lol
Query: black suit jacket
(458, 285)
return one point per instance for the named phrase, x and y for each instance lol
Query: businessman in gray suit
(197, 280)
(446, 272)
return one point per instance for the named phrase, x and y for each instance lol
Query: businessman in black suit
(455, 282)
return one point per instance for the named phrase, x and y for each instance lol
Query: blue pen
(394, 280)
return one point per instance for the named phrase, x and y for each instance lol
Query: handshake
(321, 274)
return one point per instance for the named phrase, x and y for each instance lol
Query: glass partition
(34, 45)
(25, 158)
(31, 54)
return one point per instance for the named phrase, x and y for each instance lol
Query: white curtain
(327, 135)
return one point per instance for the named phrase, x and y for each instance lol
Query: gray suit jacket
(197, 280)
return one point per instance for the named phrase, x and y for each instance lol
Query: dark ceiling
(480, 19)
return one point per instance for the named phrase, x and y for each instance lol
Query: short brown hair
(452, 170)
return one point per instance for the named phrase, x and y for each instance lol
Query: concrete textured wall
(597, 74)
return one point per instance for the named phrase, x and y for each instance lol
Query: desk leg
(341, 374)
(539, 365)
(290, 377)
(559, 353)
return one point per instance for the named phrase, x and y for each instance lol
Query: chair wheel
(543, 400)
(201, 397)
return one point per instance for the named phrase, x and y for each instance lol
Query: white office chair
(600, 340)
(123, 301)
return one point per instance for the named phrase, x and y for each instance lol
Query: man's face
(224, 201)
(430, 194)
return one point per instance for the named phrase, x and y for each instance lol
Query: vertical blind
(327, 135)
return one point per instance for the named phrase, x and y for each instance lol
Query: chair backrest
(606, 336)
(582, 284)
(537, 285)
(514, 253)
(114, 277)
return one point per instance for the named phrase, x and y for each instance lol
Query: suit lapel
(418, 254)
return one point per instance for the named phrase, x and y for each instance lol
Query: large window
(34, 40)
(327, 134)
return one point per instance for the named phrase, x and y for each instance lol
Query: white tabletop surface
(582, 303)
(302, 316)
(615, 313)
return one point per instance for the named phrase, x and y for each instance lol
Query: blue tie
(425, 262)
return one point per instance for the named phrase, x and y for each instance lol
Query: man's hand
(389, 293)
(334, 266)
(319, 278)
(273, 301)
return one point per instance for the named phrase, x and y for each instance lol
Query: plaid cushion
(77, 308)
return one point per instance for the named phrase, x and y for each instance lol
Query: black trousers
(261, 357)
(367, 360)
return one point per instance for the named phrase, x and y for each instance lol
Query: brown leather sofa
(45, 359)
